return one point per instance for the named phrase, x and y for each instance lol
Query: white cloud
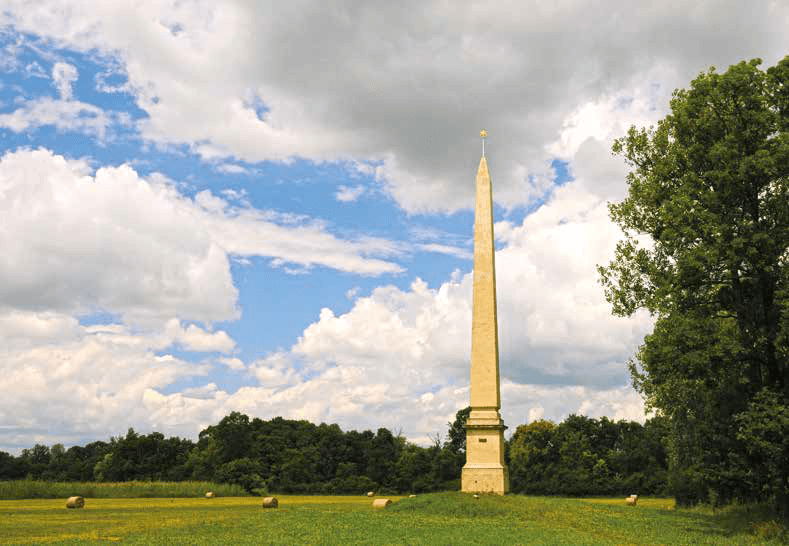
(83, 382)
(75, 241)
(63, 77)
(64, 115)
(35, 70)
(233, 363)
(194, 338)
(407, 89)
(457, 252)
(231, 168)
(349, 193)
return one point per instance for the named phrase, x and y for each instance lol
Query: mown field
(442, 518)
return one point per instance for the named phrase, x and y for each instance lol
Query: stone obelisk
(484, 471)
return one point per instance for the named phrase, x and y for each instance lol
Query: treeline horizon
(579, 456)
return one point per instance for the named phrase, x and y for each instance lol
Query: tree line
(580, 456)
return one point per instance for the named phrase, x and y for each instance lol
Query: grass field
(443, 518)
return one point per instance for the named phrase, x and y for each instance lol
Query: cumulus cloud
(194, 338)
(75, 240)
(406, 87)
(64, 382)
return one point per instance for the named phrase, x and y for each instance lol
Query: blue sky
(211, 207)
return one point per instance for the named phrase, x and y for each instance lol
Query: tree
(709, 187)
(457, 431)
(533, 458)
(11, 468)
(381, 457)
(245, 472)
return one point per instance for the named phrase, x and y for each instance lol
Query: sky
(267, 207)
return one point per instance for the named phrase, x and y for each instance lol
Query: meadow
(439, 518)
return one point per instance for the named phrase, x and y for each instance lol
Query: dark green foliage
(245, 472)
(144, 457)
(457, 431)
(710, 187)
(11, 468)
(584, 456)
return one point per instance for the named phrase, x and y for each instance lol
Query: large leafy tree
(706, 225)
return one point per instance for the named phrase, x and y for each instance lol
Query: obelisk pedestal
(484, 471)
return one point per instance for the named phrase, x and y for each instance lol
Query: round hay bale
(370, 494)
(631, 501)
(476, 496)
(381, 503)
(75, 502)
(210, 495)
(634, 497)
(411, 496)
(270, 502)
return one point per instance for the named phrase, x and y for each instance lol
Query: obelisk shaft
(484, 328)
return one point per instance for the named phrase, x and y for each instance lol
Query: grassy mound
(457, 504)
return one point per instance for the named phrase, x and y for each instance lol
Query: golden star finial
(483, 134)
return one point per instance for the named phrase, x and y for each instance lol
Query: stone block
(483, 478)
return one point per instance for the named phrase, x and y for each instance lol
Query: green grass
(443, 518)
(32, 489)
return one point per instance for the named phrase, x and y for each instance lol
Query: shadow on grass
(733, 520)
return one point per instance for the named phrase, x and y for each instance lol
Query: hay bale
(370, 494)
(210, 495)
(634, 497)
(75, 502)
(411, 496)
(381, 503)
(270, 502)
(476, 496)
(631, 501)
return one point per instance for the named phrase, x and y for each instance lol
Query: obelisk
(484, 471)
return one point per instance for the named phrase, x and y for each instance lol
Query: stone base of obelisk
(485, 471)
(493, 479)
